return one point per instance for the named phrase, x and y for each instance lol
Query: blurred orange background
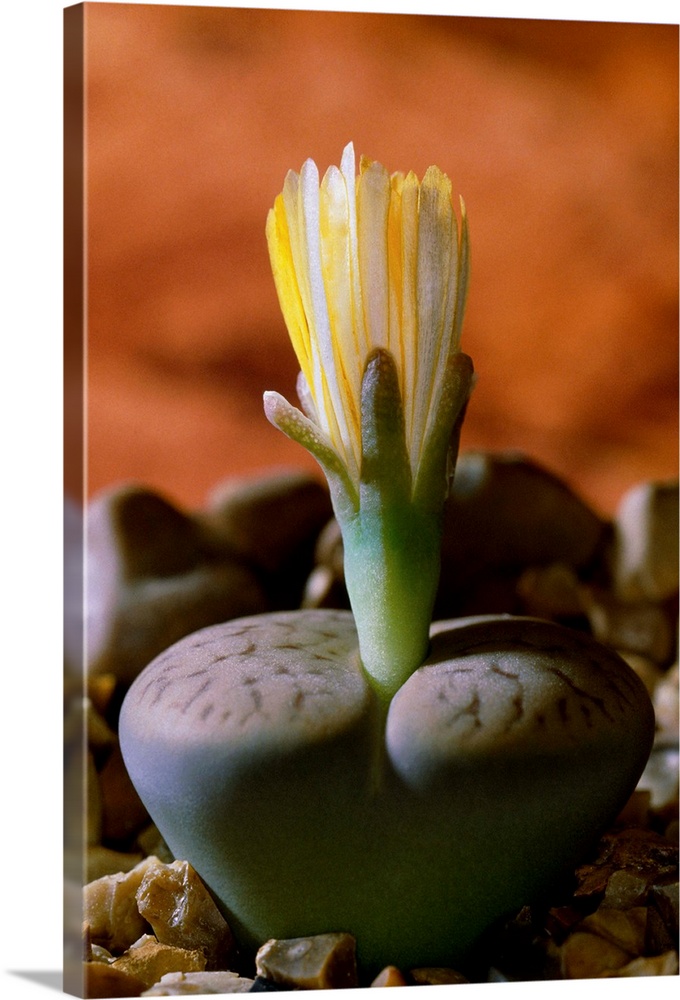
(562, 138)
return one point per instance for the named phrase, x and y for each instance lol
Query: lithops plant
(369, 772)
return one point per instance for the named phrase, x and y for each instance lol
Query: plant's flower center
(365, 262)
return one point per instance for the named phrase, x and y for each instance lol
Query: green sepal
(440, 451)
(295, 425)
(385, 468)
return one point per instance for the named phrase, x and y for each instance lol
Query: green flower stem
(392, 558)
(392, 543)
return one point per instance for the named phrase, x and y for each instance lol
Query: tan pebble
(390, 976)
(641, 627)
(624, 928)
(660, 776)
(645, 556)
(329, 550)
(436, 977)
(148, 960)
(550, 591)
(101, 980)
(655, 965)
(110, 907)
(99, 954)
(100, 690)
(665, 703)
(183, 984)
(101, 861)
(649, 672)
(586, 956)
(181, 911)
(318, 588)
(319, 962)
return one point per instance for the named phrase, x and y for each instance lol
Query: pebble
(272, 522)
(660, 776)
(504, 515)
(665, 701)
(182, 913)
(102, 861)
(110, 908)
(156, 574)
(147, 960)
(186, 984)
(645, 551)
(319, 962)
(636, 627)
(390, 976)
(103, 980)
(587, 956)
(651, 965)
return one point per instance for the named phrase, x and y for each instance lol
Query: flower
(371, 274)
(362, 263)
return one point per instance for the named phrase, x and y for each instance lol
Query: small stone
(436, 977)
(645, 557)
(155, 574)
(660, 776)
(103, 980)
(147, 960)
(625, 889)
(319, 588)
(329, 550)
(560, 920)
(550, 592)
(665, 701)
(649, 672)
(110, 908)
(642, 851)
(100, 690)
(506, 514)
(182, 913)
(319, 962)
(656, 965)
(642, 627)
(624, 928)
(102, 861)
(272, 522)
(389, 976)
(587, 956)
(187, 984)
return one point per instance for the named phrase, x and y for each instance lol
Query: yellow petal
(373, 201)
